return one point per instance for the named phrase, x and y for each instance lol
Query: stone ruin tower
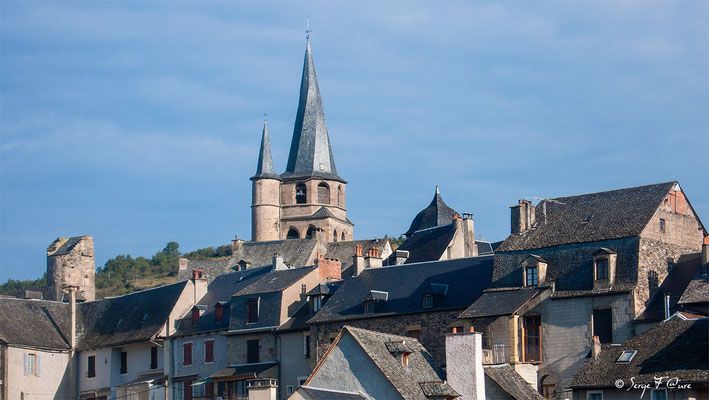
(308, 199)
(70, 262)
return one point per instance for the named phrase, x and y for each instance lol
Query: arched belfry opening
(301, 193)
(310, 233)
(293, 234)
(323, 193)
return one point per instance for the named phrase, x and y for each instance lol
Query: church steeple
(310, 150)
(265, 161)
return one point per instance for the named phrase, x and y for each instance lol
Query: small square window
(427, 301)
(626, 356)
(595, 395)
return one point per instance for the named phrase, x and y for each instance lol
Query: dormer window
(316, 303)
(218, 312)
(195, 316)
(532, 274)
(369, 306)
(374, 297)
(252, 310)
(604, 261)
(399, 349)
(428, 301)
(535, 270)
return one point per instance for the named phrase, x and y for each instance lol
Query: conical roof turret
(310, 150)
(264, 169)
(436, 214)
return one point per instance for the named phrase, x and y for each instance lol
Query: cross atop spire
(310, 151)
(307, 28)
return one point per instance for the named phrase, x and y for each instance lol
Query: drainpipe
(667, 305)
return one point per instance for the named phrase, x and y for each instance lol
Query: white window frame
(590, 392)
(34, 368)
(289, 390)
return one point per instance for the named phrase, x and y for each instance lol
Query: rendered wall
(53, 382)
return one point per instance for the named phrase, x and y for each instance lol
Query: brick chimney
(329, 269)
(464, 364)
(522, 216)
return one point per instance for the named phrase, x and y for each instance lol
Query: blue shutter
(38, 360)
(27, 364)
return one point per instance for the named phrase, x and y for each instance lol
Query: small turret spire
(265, 160)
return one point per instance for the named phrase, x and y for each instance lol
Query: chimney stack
(522, 216)
(596, 348)
(705, 252)
(401, 256)
(464, 364)
(278, 264)
(329, 269)
(236, 245)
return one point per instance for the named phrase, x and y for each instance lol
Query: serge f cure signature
(670, 383)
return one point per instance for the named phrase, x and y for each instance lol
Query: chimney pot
(596, 347)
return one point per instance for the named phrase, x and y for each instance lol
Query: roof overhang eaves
(389, 314)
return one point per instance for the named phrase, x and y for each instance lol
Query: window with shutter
(603, 325)
(187, 354)
(209, 351)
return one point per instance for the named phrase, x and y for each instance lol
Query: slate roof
(510, 381)
(428, 244)
(99, 319)
(264, 168)
(329, 394)
(500, 302)
(219, 290)
(268, 289)
(310, 151)
(591, 217)
(484, 248)
(436, 214)
(295, 253)
(299, 319)
(34, 323)
(675, 284)
(675, 348)
(697, 291)
(243, 370)
(405, 380)
(466, 279)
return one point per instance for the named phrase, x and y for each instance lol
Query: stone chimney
(466, 226)
(522, 216)
(278, 264)
(263, 389)
(373, 258)
(596, 347)
(236, 245)
(464, 364)
(199, 280)
(329, 269)
(400, 256)
(705, 252)
(358, 260)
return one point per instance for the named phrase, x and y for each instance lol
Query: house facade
(578, 267)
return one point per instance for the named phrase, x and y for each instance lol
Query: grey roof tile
(676, 348)
(141, 314)
(436, 214)
(511, 382)
(591, 217)
(34, 323)
(428, 244)
(405, 284)
(328, 394)
(500, 302)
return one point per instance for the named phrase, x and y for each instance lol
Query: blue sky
(139, 122)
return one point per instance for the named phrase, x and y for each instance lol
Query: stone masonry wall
(236, 347)
(433, 326)
(76, 267)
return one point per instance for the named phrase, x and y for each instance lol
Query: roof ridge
(611, 191)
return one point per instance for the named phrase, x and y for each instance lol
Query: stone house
(308, 199)
(667, 362)
(254, 344)
(577, 267)
(199, 341)
(419, 300)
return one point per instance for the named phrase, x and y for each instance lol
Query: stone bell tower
(311, 195)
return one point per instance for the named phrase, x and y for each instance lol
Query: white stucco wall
(108, 365)
(53, 377)
(348, 368)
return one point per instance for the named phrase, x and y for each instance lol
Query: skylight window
(626, 356)
(145, 317)
(119, 322)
